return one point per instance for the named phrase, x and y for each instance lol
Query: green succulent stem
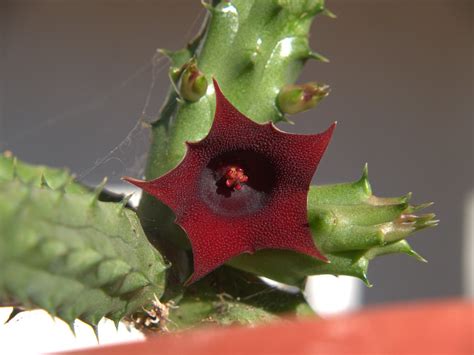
(65, 249)
(253, 49)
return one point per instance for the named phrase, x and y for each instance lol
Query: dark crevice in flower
(253, 193)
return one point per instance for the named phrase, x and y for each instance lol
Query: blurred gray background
(75, 75)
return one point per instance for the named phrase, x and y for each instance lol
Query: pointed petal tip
(192, 279)
(215, 83)
(130, 179)
(329, 131)
(318, 255)
(137, 182)
(217, 88)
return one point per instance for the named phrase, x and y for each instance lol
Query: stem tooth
(15, 311)
(329, 13)
(319, 57)
(70, 179)
(364, 180)
(43, 182)
(98, 191)
(124, 203)
(414, 254)
(408, 197)
(421, 206)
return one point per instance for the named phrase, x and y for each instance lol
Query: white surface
(36, 332)
(330, 295)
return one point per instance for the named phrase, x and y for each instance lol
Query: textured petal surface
(267, 211)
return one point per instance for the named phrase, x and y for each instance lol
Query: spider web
(128, 155)
(139, 132)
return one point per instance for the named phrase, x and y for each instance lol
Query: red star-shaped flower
(242, 188)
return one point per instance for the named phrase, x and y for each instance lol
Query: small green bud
(193, 84)
(298, 98)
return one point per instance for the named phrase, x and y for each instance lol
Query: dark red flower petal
(242, 188)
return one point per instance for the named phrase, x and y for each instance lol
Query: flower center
(238, 183)
(235, 177)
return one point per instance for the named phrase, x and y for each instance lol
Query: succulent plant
(237, 187)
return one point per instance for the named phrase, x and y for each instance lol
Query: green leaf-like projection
(350, 226)
(65, 251)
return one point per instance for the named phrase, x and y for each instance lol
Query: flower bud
(298, 98)
(193, 83)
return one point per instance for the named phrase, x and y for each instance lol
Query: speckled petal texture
(270, 209)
